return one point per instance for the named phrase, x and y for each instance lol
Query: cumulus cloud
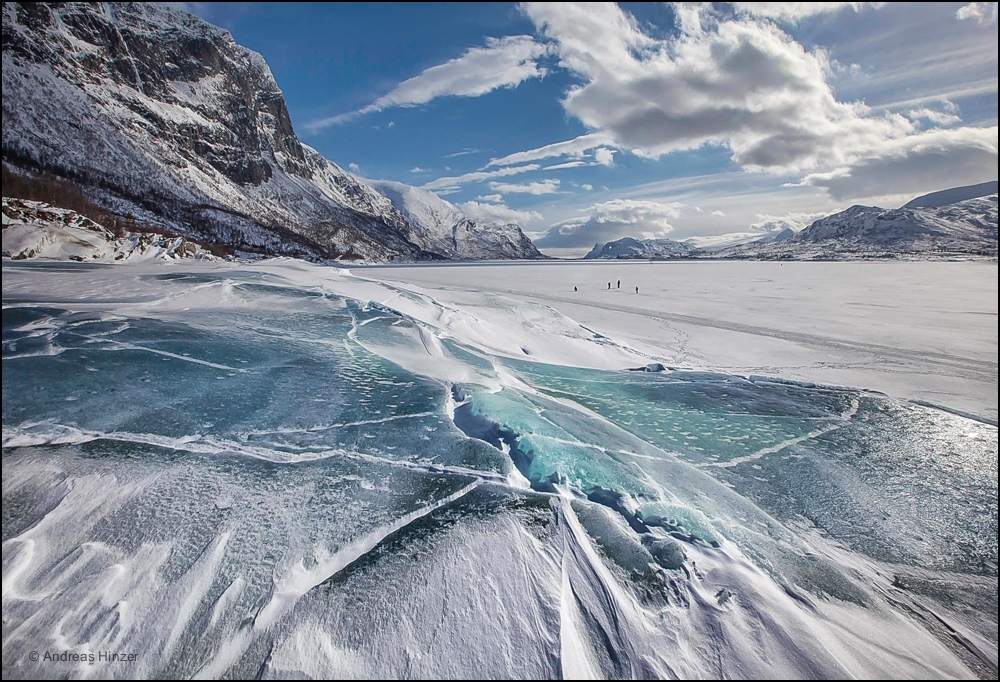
(766, 223)
(926, 161)
(495, 198)
(548, 186)
(943, 113)
(497, 213)
(741, 83)
(982, 12)
(503, 63)
(354, 168)
(793, 12)
(604, 156)
(418, 169)
(612, 220)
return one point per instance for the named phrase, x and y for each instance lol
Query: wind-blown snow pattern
(279, 470)
(164, 116)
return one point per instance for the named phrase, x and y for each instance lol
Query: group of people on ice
(609, 287)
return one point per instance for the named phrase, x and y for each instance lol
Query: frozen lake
(916, 330)
(279, 469)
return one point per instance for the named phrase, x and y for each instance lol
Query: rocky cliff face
(161, 114)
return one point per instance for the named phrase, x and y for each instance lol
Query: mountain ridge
(952, 195)
(156, 112)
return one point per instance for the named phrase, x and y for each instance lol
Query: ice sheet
(281, 469)
(914, 330)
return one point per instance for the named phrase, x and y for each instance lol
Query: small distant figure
(609, 286)
(637, 290)
(619, 284)
(574, 288)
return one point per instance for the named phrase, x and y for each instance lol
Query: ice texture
(277, 470)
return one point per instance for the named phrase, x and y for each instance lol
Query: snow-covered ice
(280, 469)
(915, 330)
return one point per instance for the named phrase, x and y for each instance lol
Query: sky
(588, 122)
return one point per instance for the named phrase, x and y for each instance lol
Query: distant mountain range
(957, 222)
(159, 115)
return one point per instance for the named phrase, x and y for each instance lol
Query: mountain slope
(440, 227)
(954, 195)
(627, 248)
(159, 114)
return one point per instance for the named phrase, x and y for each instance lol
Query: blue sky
(589, 122)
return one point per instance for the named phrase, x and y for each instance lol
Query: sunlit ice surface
(281, 470)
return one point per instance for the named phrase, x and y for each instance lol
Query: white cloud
(548, 186)
(418, 169)
(982, 12)
(494, 198)
(792, 12)
(497, 213)
(604, 156)
(354, 168)
(575, 148)
(587, 187)
(743, 84)
(934, 116)
(925, 162)
(462, 152)
(390, 124)
(503, 63)
(453, 183)
(776, 223)
(569, 164)
(612, 220)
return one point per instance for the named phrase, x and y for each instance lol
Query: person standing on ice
(619, 284)
(574, 288)
(609, 286)
(637, 290)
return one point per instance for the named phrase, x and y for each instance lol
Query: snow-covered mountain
(439, 226)
(33, 229)
(162, 115)
(954, 195)
(627, 247)
(709, 244)
(779, 236)
(964, 228)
